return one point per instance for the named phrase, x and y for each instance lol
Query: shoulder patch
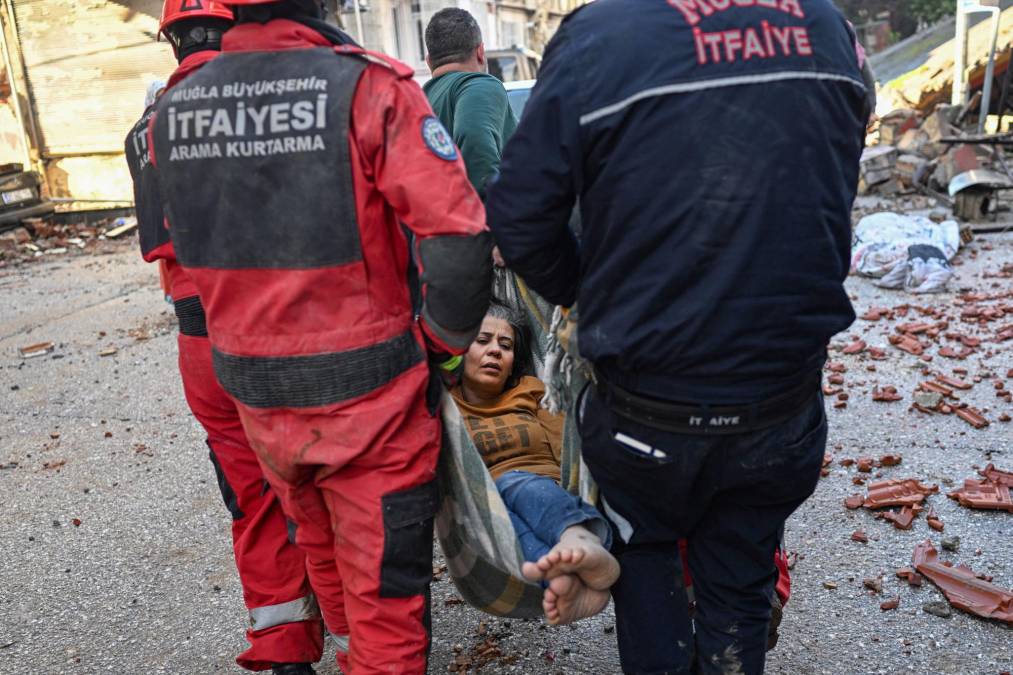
(436, 138)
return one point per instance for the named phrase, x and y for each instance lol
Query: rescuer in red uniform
(287, 168)
(285, 631)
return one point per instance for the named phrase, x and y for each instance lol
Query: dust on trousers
(285, 624)
(286, 178)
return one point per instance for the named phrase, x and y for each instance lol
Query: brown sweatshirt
(513, 433)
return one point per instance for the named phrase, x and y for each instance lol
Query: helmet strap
(199, 37)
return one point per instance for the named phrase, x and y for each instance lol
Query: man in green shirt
(472, 104)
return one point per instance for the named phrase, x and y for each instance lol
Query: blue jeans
(541, 510)
(728, 496)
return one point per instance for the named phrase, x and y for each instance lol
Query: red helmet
(178, 10)
(247, 2)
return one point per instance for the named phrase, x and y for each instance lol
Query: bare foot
(578, 552)
(567, 599)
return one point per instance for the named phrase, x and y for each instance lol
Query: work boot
(292, 669)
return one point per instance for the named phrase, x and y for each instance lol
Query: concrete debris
(961, 586)
(951, 544)
(938, 608)
(38, 238)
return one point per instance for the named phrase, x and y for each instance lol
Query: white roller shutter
(88, 65)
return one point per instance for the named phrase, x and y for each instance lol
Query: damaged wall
(87, 66)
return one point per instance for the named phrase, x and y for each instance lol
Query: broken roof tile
(962, 588)
(890, 460)
(997, 476)
(953, 382)
(972, 417)
(855, 347)
(854, 502)
(902, 519)
(892, 603)
(979, 494)
(907, 492)
(876, 313)
(908, 344)
(886, 394)
(937, 388)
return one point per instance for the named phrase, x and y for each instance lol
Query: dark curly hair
(524, 363)
(451, 36)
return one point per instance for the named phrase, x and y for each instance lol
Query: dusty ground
(145, 583)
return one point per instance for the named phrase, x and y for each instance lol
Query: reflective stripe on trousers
(340, 642)
(300, 609)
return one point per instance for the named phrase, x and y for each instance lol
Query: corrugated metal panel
(88, 64)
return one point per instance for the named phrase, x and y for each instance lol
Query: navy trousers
(729, 497)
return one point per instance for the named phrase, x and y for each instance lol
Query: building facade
(74, 75)
(397, 27)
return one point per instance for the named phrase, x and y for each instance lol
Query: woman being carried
(565, 540)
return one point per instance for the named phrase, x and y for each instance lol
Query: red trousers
(358, 479)
(284, 618)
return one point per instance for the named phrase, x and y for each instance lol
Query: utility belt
(708, 420)
(190, 313)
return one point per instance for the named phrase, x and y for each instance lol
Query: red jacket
(280, 276)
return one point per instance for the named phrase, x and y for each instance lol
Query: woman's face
(490, 359)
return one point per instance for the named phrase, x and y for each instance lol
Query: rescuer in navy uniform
(287, 167)
(715, 159)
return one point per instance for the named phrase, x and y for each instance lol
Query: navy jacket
(715, 156)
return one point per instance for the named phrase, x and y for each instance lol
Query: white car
(518, 92)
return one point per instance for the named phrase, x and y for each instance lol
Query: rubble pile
(907, 153)
(35, 238)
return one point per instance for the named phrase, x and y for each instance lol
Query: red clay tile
(865, 464)
(979, 494)
(836, 378)
(972, 417)
(876, 313)
(860, 536)
(953, 382)
(938, 388)
(886, 394)
(913, 328)
(855, 347)
(908, 344)
(892, 603)
(890, 460)
(962, 588)
(997, 476)
(902, 519)
(906, 492)
(854, 502)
